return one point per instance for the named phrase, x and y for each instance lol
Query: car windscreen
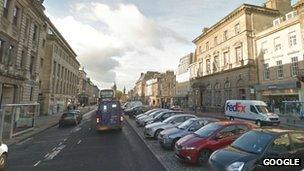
(207, 130)
(252, 142)
(262, 109)
(168, 120)
(185, 124)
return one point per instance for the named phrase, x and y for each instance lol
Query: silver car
(141, 121)
(167, 138)
(146, 113)
(152, 130)
(162, 116)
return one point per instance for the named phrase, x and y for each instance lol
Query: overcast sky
(116, 40)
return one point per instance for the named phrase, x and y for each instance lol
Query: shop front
(275, 94)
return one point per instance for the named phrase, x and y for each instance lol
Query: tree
(119, 94)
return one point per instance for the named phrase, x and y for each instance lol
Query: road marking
(55, 152)
(89, 128)
(36, 164)
(76, 129)
(79, 142)
(60, 144)
(45, 156)
(64, 139)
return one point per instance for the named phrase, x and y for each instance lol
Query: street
(82, 148)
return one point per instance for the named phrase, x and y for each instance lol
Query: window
(32, 65)
(9, 59)
(208, 69)
(238, 54)
(5, 8)
(54, 68)
(35, 33)
(215, 41)
(294, 66)
(199, 49)
(292, 38)
(280, 69)
(237, 28)
(264, 49)
(41, 62)
(276, 22)
(216, 64)
(207, 46)
(226, 58)
(15, 15)
(266, 72)
(23, 59)
(58, 71)
(297, 140)
(1, 50)
(226, 132)
(277, 44)
(225, 35)
(253, 109)
(281, 145)
(31, 94)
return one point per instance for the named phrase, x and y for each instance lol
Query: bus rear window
(109, 107)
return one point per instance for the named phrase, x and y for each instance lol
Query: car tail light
(97, 120)
(121, 118)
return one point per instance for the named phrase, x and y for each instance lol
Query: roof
(229, 16)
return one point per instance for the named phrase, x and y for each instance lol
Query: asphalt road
(82, 148)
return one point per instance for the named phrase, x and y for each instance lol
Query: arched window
(227, 91)
(217, 94)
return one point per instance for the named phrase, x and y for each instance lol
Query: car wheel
(3, 161)
(231, 118)
(259, 123)
(204, 156)
(157, 133)
(173, 143)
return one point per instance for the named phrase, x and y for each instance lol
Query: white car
(152, 130)
(3, 156)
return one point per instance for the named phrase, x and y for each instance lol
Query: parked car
(162, 116)
(136, 110)
(69, 118)
(152, 130)
(129, 105)
(141, 121)
(167, 138)
(251, 110)
(3, 156)
(248, 151)
(176, 108)
(198, 146)
(146, 113)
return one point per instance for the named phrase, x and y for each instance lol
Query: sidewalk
(42, 123)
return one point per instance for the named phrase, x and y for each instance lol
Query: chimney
(205, 29)
(284, 6)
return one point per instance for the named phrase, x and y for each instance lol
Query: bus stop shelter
(16, 119)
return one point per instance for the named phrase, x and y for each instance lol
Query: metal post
(2, 112)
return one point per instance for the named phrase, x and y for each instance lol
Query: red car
(198, 146)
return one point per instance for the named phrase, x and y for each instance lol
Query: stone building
(59, 73)
(153, 92)
(279, 55)
(225, 54)
(182, 87)
(167, 82)
(22, 38)
(140, 85)
(88, 93)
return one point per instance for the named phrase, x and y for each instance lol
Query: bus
(109, 112)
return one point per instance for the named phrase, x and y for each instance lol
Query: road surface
(82, 148)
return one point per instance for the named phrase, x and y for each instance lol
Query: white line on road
(60, 144)
(36, 164)
(64, 139)
(47, 154)
(22, 142)
(79, 142)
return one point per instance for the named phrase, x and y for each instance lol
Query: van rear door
(110, 113)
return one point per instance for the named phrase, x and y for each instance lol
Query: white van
(251, 110)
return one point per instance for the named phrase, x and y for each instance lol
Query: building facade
(59, 76)
(167, 82)
(225, 55)
(22, 38)
(140, 85)
(182, 87)
(279, 55)
(153, 92)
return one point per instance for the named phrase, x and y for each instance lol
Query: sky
(116, 40)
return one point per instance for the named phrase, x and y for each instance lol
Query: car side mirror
(192, 129)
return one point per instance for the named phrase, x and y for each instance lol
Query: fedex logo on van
(237, 107)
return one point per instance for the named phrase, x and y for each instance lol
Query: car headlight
(236, 166)
(188, 148)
